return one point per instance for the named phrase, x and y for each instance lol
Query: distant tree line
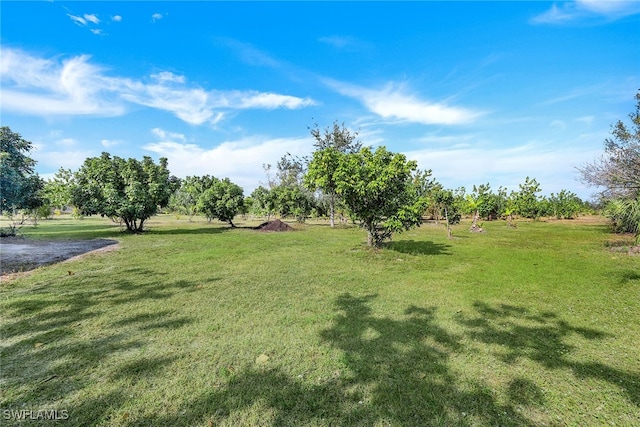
(380, 190)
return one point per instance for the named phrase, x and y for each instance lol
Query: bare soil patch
(18, 254)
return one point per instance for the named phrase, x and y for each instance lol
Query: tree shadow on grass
(51, 346)
(542, 339)
(413, 247)
(213, 229)
(395, 373)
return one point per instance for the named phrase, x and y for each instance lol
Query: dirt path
(19, 254)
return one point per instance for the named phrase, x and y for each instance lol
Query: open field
(195, 324)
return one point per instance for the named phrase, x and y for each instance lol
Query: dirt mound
(275, 225)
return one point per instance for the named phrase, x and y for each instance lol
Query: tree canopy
(377, 187)
(128, 190)
(19, 185)
(222, 200)
(331, 145)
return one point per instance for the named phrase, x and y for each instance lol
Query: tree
(625, 216)
(58, 191)
(617, 172)
(222, 200)
(128, 190)
(185, 198)
(330, 145)
(377, 188)
(262, 202)
(526, 200)
(564, 205)
(287, 194)
(19, 185)
(445, 203)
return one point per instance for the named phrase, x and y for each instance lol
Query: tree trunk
(332, 208)
(446, 215)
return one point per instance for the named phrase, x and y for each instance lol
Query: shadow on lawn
(46, 357)
(396, 369)
(213, 229)
(413, 247)
(396, 372)
(541, 338)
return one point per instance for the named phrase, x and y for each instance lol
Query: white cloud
(92, 18)
(156, 17)
(166, 76)
(109, 143)
(241, 161)
(98, 32)
(608, 10)
(37, 86)
(253, 99)
(116, 18)
(394, 102)
(171, 136)
(77, 19)
(44, 87)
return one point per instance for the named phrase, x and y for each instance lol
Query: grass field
(195, 324)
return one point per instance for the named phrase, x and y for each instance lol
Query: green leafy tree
(20, 186)
(291, 201)
(564, 205)
(222, 200)
(445, 201)
(185, 198)
(287, 195)
(377, 188)
(129, 190)
(262, 202)
(331, 144)
(526, 201)
(58, 190)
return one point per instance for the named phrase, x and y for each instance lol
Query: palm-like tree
(625, 214)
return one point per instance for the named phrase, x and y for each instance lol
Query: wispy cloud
(395, 102)
(38, 86)
(240, 160)
(248, 53)
(609, 10)
(116, 18)
(88, 20)
(92, 18)
(156, 17)
(79, 20)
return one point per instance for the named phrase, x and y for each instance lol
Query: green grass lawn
(195, 324)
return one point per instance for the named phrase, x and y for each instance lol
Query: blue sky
(476, 91)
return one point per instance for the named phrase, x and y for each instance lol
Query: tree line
(380, 190)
